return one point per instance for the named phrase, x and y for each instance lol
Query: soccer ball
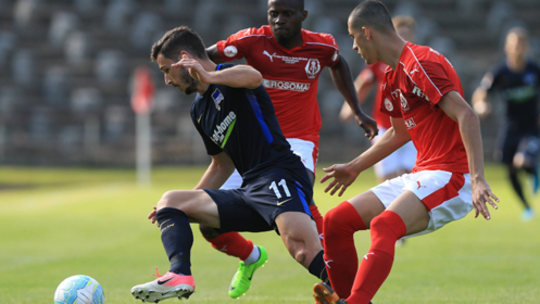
(79, 289)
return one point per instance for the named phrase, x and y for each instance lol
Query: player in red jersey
(290, 59)
(423, 95)
(402, 160)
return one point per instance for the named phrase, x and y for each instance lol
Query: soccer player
(290, 59)
(402, 160)
(518, 81)
(235, 117)
(424, 98)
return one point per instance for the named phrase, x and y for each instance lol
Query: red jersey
(374, 73)
(290, 75)
(412, 91)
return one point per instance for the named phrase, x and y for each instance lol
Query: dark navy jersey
(242, 123)
(520, 92)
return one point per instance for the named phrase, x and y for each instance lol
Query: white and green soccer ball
(79, 289)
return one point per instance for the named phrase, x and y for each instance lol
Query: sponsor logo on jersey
(388, 105)
(416, 91)
(230, 51)
(286, 59)
(217, 96)
(265, 53)
(223, 130)
(410, 123)
(313, 67)
(286, 85)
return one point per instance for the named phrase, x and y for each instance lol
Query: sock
(340, 256)
(177, 239)
(233, 244)
(318, 221)
(253, 256)
(317, 267)
(386, 229)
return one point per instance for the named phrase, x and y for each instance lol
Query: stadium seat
(78, 47)
(8, 41)
(62, 24)
(110, 66)
(23, 67)
(147, 27)
(118, 14)
(56, 86)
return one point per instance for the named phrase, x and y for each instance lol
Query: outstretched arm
(363, 84)
(238, 76)
(341, 75)
(469, 127)
(343, 175)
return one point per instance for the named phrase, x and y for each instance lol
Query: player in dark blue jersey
(518, 82)
(236, 120)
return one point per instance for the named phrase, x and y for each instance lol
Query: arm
(213, 53)
(238, 76)
(469, 127)
(344, 174)
(479, 102)
(217, 172)
(363, 84)
(341, 75)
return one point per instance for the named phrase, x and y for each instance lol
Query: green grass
(58, 222)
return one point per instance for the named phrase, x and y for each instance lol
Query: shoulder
(252, 32)
(322, 39)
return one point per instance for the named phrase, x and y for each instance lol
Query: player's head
(516, 44)
(175, 43)
(285, 17)
(405, 26)
(365, 21)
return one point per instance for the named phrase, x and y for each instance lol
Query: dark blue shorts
(255, 206)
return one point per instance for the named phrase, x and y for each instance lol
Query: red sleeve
(232, 48)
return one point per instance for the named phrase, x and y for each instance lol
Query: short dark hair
(178, 39)
(371, 13)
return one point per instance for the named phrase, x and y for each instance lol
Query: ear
(367, 32)
(304, 15)
(184, 53)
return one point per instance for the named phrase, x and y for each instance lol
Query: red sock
(232, 243)
(386, 229)
(340, 256)
(318, 220)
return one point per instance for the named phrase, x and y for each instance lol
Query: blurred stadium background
(67, 67)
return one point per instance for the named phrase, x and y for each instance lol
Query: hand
(152, 216)
(343, 176)
(482, 196)
(194, 67)
(368, 124)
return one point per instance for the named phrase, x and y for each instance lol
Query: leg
(516, 185)
(174, 210)
(340, 224)
(299, 235)
(406, 215)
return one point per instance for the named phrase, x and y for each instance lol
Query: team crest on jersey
(404, 102)
(217, 96)
(388, 105)
(313, 67)
(230, 51)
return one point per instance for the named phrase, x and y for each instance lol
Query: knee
(336, 221)
(209, 232)
(386, 229)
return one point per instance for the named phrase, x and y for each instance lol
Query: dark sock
(177, 239)
(317, 267)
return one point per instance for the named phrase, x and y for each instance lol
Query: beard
(191, 86)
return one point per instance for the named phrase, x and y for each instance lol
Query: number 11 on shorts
(282, 184)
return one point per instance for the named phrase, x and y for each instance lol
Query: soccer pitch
(59, 222)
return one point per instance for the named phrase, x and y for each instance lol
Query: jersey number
(283, 184)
